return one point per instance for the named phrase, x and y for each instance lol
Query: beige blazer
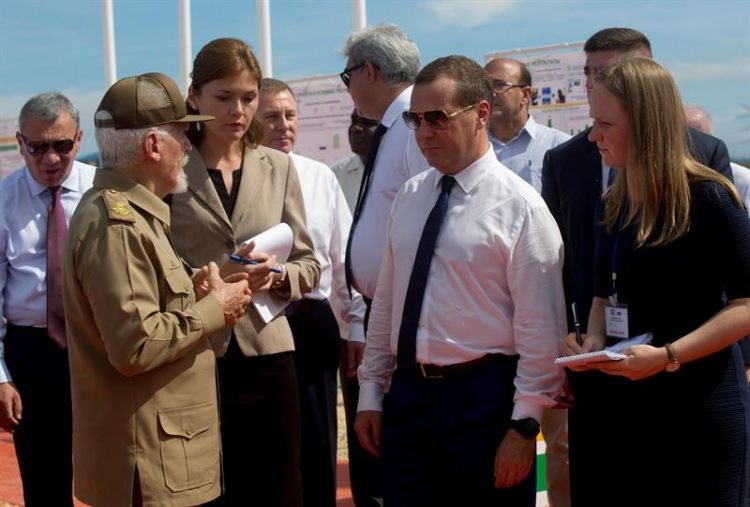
(143, 375)
(269, 194)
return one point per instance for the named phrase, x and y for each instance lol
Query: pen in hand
(242, 260)
(577, 325)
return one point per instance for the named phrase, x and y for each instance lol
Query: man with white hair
(380, 69)
(145, 415)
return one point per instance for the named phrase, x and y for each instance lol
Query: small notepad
(612, 353)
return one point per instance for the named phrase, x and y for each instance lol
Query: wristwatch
(527, 427)
(673, 364)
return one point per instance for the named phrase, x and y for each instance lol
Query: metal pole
(264, 37)
(359, 14)
(183, 15)
(108, 28)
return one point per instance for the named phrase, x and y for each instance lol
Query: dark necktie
(364, 185)
(610, 177)
(407, 335)
(56, 231)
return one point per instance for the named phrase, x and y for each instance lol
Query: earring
(197, 126)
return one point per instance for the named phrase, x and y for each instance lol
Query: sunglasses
(36, 148)
(438, 120)
(347, 73)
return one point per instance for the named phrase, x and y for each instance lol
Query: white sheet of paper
(274, 241)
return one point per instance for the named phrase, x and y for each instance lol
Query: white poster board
(325, 109)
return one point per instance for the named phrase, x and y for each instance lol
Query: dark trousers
(43, 438)
(365, 477)
(260, 430)
(440, 438)
(316, 335)
(365, 470)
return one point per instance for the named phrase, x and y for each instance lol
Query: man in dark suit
(573, 178)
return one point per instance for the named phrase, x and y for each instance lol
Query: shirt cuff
(4, 373)
(357, 332)
(524, 409)
(370, 397)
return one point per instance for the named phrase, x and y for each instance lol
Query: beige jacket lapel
(255, 168)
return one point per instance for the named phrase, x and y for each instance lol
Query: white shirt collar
(397, 107)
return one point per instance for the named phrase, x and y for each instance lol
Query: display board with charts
(10, 156)
(324, 108)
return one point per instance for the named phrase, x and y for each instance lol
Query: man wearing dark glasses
(380, 69)
(466, 322)
(519, 142)
(36, 204)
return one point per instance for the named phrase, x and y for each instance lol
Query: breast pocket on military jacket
(189, 441)
(180, 288)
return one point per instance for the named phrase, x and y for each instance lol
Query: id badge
(616, 320)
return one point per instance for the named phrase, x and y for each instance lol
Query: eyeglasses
(436, 119)
(504, 86)
(36, 148)
(347, 73)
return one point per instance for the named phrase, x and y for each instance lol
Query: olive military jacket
(142, 370)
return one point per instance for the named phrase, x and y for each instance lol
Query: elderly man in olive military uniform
(145, 423)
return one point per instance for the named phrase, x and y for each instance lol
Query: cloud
(716, 69)
(467, 13)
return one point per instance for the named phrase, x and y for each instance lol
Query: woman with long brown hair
(669, 425)
(238, 189)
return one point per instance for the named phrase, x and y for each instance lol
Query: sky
(57, 45)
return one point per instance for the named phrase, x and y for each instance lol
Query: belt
(433, 371)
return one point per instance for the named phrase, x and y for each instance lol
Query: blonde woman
(670, 423)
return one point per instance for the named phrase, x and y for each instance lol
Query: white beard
(182, 183)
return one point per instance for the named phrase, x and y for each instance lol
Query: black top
(228, 198)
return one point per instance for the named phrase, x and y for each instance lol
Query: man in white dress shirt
(314, 326)
(520, 144)
(380, 69)
(459, 361)
(34, 375)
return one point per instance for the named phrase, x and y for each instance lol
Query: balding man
(143, 373)
(519, 142)
(699, 119)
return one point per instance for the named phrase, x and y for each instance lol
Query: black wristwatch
(527, 427)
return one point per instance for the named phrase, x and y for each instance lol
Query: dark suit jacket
(269, 194)
(572, 188)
